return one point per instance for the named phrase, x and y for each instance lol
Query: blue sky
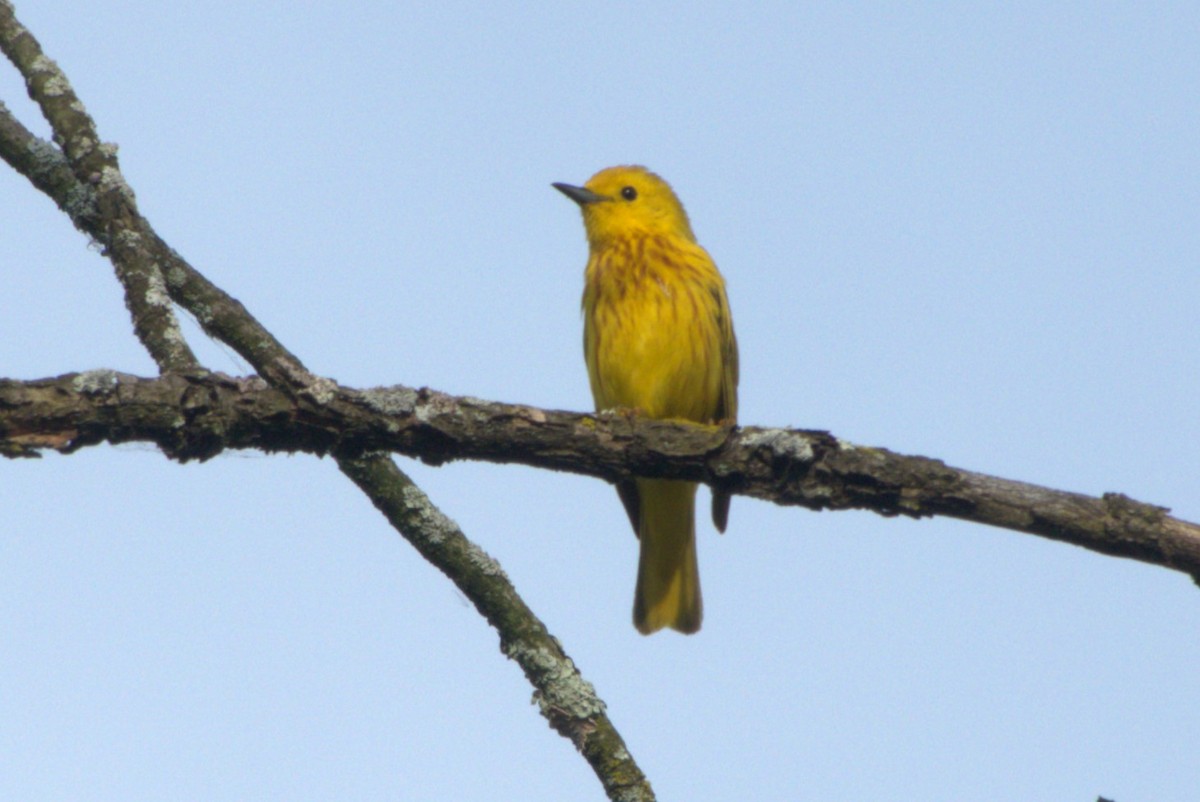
(968, 232)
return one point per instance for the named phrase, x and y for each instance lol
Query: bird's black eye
(628, 193)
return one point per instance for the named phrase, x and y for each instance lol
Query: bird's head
(619, 201)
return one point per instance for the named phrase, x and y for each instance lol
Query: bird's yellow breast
(652, 328)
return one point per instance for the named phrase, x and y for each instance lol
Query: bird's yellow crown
(630, 200)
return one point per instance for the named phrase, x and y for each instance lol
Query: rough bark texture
(198, 416)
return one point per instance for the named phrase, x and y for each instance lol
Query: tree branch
(197, 417)
(565, 698)
(116, 223)
(87, 184)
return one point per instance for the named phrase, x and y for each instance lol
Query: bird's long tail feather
(668, 584)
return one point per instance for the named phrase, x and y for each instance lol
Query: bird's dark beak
(580, 195)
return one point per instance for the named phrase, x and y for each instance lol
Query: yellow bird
(658, 340)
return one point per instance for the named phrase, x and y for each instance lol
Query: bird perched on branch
(658, 340)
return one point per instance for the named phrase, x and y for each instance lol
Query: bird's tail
(668, 584)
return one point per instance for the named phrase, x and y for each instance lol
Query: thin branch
(219, 314)
(196, 417)
(565, 698)
(79, 189)
(117, 224)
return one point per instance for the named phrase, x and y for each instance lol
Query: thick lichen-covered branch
(196, 417)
